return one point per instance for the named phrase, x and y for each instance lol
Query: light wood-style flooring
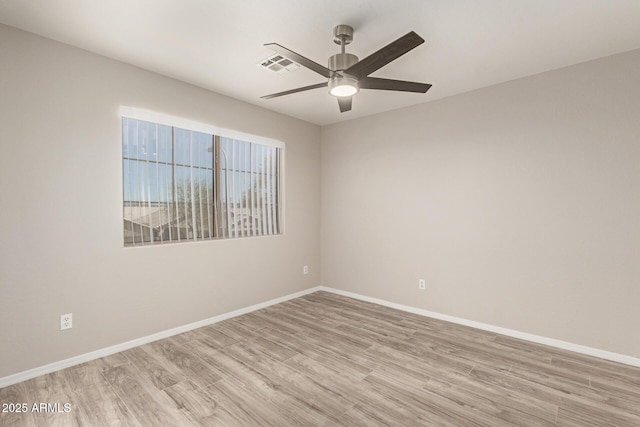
(328, 360)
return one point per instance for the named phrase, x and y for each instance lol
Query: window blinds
(187, 185)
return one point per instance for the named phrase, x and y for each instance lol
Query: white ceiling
(216, 44)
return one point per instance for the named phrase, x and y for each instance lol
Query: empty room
(329, 213)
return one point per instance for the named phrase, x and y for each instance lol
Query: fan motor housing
(342, 61)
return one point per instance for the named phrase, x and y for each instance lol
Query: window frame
(221, 229)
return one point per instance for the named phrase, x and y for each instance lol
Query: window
(187, 183)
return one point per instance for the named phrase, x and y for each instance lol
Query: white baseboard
(66, 363)
(589, 351)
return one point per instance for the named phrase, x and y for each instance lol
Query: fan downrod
(342, 35)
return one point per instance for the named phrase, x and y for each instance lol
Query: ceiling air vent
(278, 63)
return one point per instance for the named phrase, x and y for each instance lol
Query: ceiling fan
(346, 75)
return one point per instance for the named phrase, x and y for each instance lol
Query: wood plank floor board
(620, 391)
(191, 366)
(378, 406)
(439, 360)
(53, 389)
(194, 402)
(17, 395)
(260, 410)
(294, 342)
(487, 352)
(261, 379)
(380, 411)
(377, 326)
(230, 368)
(329, 360)
(268, 348)
(343, 387)
(430, 405)
(101, 406)
(603, 410)
(368, 309)
(423, 368)
(230, 410)
(507, 386)
(627, 384)
(148, 405)
(85, 375)
(312, 325)
(233, 410)
(242, 370)
(339, 343)
(455, 350)
(301, 306)
(285, 339)
(629, 376)
(292, 383)
(380, 337)
(391, 368)
(159, 371)
(215, 338)
(566, 354)
(249, 321)
(273, 320)
(348, 368)
(235, 329)
(545, 382)
(499, 403)
(564, 396)
(418, 323)
(472, 334)
(490, 408)
(557, 378)
(345, 305)
(584, 414)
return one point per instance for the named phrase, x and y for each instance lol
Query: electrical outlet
(66, 321)
(305, 269)
(422, 284)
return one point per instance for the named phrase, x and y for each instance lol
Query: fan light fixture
(346, 75)
(343, 86)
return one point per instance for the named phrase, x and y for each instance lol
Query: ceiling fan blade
(313, 66)
(387, 84)
(385, 55)
(300, 89)
(345, 103)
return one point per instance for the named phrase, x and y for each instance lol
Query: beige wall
(519, 203)
(61, 244)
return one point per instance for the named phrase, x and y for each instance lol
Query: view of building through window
(184, 185)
